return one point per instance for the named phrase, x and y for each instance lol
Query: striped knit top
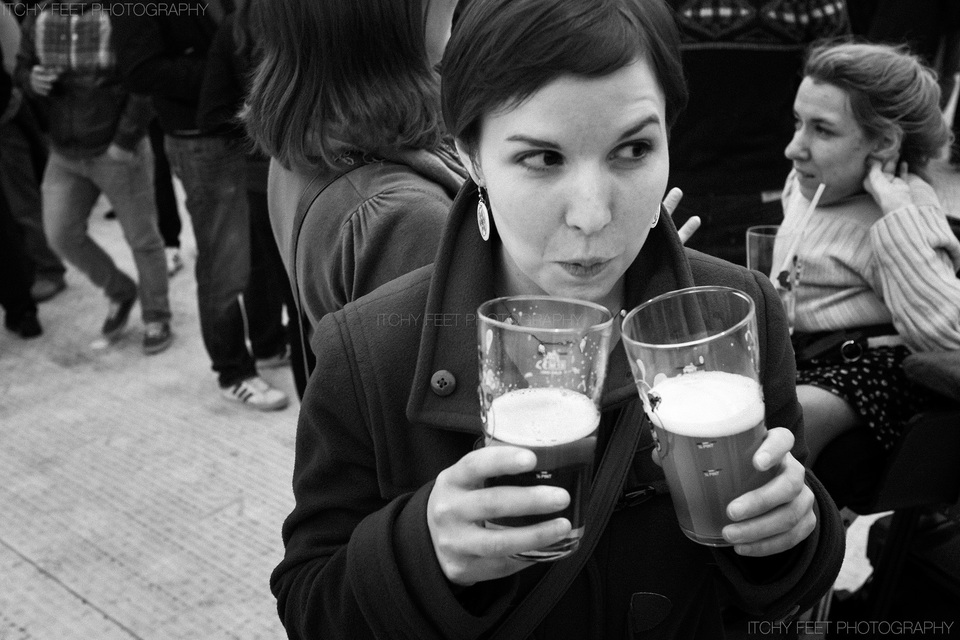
(860, 267)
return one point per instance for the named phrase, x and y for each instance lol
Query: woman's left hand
(779, 515)
(889, 190)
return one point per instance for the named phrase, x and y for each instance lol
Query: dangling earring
(656, 218)
(483, 216)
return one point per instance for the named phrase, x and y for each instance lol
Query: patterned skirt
(875, 386)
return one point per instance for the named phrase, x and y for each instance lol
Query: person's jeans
(71, 187)
(268, 288)
(22, 187)
(168, 213)
(212, 170)
(16, 267)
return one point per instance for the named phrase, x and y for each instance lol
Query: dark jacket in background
(89, 107)
(225, 82)
(164, 56)
(6, 86)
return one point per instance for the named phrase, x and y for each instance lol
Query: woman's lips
(585, 268)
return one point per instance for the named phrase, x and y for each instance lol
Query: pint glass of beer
(695, 360)
(772, 252)
(543, 361)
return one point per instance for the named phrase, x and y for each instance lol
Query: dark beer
(560, 427)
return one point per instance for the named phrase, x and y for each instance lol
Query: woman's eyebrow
(547, 144)
(653, 119)
(819, 120)
(533, 142)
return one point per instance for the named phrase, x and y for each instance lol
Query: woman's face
(829, 146)
(575, 175)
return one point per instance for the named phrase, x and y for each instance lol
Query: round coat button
(443, 383)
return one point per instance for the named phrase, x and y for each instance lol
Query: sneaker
(157, 337)
(117, 317)
(27, 325)
(257, 394)
(174, 261)
(44, 288)
(281, 359)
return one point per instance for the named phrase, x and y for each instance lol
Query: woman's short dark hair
(341, 72)
(889, 88)
(503, 51)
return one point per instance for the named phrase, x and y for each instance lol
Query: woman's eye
(633, 151)
(541, 160)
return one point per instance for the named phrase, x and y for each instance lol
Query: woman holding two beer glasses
(561, 111)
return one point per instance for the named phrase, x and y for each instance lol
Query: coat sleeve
(221, 94)
(780, 586)
(147, 64)
(134, 121)
(358, 565)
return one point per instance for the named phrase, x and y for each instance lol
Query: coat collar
(463, 278)
(440, 165)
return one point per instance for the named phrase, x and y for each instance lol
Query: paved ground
(134, 501)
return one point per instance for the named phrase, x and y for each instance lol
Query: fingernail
(526, 458)
(735, 511)
(731, 534)
(763, 460)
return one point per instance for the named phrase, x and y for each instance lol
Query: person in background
(20, 309)
(21, 169)
(561, 111)
(98, 144)
(876, 253)
(163, 54)
(361, 114)
(267, 299)
(742, 60)
(168, 211)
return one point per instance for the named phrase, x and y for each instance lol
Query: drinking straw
(795, 244)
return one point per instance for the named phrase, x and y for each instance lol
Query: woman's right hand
(459, 504)
(889, 190)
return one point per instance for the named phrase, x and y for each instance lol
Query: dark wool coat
(393, 401)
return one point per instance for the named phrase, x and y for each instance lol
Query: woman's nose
(589, 206)
(797, 148)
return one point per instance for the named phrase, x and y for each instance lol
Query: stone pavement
(134, 501)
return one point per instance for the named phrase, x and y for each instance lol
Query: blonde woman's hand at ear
(890, 190)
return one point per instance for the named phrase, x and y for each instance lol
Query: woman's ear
(470, 163)
(886, 148)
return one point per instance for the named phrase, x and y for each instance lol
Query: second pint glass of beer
(695, 360)
(543, 361)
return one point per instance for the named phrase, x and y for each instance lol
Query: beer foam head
(708, 403)
(538, 417)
